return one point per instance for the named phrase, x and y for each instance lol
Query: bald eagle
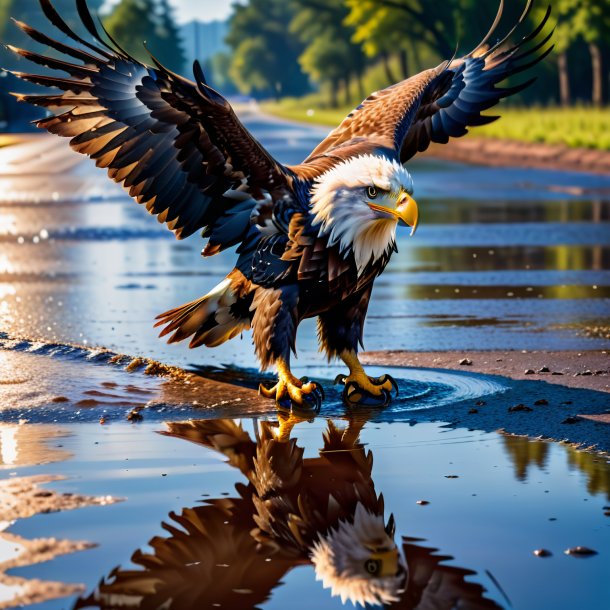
(311, 238)
(290, 511)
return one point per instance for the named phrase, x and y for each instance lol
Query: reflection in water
(24, 445)
(525, 453)
(594, 467)
(291, 511)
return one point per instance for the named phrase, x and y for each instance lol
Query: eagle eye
(371, 192)
(372, 566)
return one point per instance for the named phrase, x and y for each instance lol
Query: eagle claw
(295, 396)
(384, 379)
(367, 391)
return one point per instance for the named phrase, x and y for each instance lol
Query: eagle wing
(175, 145)
(209, 558)
(436, 585)
(439, 103)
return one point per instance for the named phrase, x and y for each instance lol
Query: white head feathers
(340, 208)
(340, 555)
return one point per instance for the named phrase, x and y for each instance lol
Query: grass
(306, 110)
(577, 127)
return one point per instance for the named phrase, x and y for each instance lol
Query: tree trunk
(361, 91)
(596, 65)
(334, 85)
(387, 69)
(347, 93)
(404, 63)
(564, 79)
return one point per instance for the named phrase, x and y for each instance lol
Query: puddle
(189, 530)
(51, 382)
(58, 383)
(240, 517)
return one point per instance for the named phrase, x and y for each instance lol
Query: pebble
(542, 401)
(529, 372)
(473, 411)
(102, 420)
(570, 420)
(556, 373)
(580, 551)
(466, 362)
(422, 502)
(134, 415)
(544, 369)
(43, 494)
(451, 476)
(542, 553)
(519, 407)
(480, 403)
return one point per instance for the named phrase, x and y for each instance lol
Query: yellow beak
(406, 210)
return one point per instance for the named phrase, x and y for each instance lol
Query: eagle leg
(360, 389)
(292, 393)
(287, 420)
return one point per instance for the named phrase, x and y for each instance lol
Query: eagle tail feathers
(211, 320)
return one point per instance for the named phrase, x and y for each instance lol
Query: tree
(325, 60)
(590, 20)
(260, 27)
(218, 73)
(580, 21)
(381, 32)
(330, 55)
(170, 44)
(135, 23)
(253, 67)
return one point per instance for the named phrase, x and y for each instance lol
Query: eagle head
(359, 202)
(359, 561)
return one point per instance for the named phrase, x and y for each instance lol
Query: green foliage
(133, 23)
(579, 19)
(252, 65)
(260, 27)
(331, 56)
(217, 70)
(168, 40)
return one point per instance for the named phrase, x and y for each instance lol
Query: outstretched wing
(175, 145)
(440, 103)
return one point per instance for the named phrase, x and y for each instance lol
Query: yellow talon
(291, 392)
(365, 383)
(360, 388)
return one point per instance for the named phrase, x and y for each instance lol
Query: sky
(202, 10)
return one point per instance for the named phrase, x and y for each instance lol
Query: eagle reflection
(232, 552)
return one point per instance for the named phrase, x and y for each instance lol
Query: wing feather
(440, 103)
(175, 145)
